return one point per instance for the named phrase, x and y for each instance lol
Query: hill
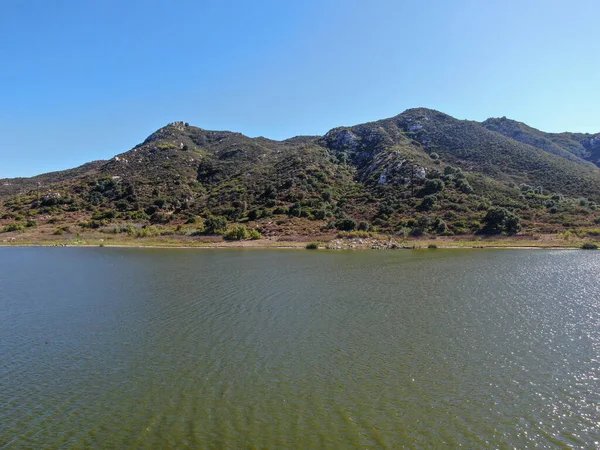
(583, 146)
(421, 172)
(14, 186)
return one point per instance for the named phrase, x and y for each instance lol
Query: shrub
(500, 220)
(464, 186)
(61, 230)
(428, 203)
(345, 224)
(433, 186)
(215, 225)
(254, 234)
(151, 209)
(159, 217)
(589, 246)
(31, 224)
(237, 233)
(439, 226)
(319, 214)
(432, 246)
(92, 224)
(138, 215)
(312, 246)
(364, 226)
(99, 215)
(127, 229)
(12, 227)
(253, 214)
(150, 231)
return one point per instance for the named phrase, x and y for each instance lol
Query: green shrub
(500, 220)
(312, 246)
(354, 234)
(432, 246)
(61, 230)
(150, 231)
(439, 226)
(319, 214)
(159, 217)
(432, 187)
(137, 216)
(215, 225)
(254, 234)
(345, 224)
(12, 227)
(589, 246)
(92, 224)
(253, 214)
(428, 203)
(31, 224)
(464, 186)
(364, 226)
(237, 233)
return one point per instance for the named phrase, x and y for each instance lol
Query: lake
(157, 348)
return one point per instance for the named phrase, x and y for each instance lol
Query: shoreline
(345, 244)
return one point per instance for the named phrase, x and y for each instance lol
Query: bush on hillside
(237, 233)
(345, 224)
(215, 225)
(500, 220)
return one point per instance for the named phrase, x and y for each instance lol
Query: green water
(129, 348)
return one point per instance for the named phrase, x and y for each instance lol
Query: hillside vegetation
(421, 173)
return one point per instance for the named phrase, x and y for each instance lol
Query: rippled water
(124, 348)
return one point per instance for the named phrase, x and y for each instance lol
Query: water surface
(149, 348)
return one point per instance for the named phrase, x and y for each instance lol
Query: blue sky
(84, 80)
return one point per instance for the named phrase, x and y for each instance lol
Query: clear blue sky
(83, 80)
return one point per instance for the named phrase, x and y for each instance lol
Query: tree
(215, 225)
(428, 203)
(345, 224)
(500, 220)
(433, 186)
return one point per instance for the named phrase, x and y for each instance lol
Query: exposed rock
(366, 243)
(52, 195)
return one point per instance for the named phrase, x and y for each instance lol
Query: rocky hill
(421, 172)
(581, 145)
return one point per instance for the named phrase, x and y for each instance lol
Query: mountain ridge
(420, 165)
